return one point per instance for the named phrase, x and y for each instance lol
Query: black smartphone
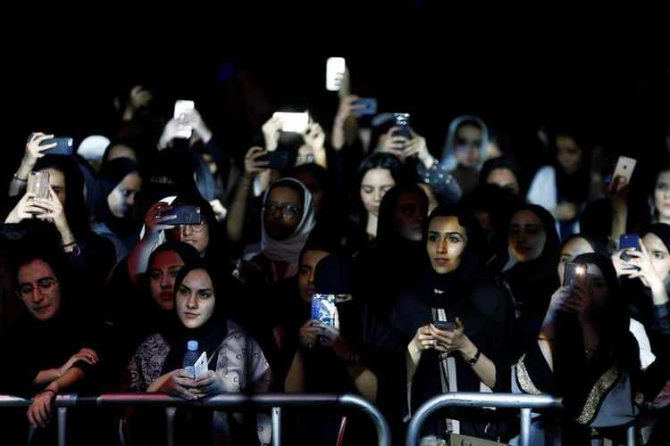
(278, 159)
(402, 124)
(445, 325)
(368, 106)
(64, 146)
(185, 215)
(573, 272)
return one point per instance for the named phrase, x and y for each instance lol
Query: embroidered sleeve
(147, 362)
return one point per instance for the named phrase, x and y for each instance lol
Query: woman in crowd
(377, 174)
(585, 353)
(53, 347)
(564, 187)
(530, 270)
(459, 321)
(65, 208)
(236, 362)
(118, 184)
(465, 150)
(287, 220)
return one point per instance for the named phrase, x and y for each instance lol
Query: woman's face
(467, 145)
(568, 154)
(526, 236)
(57, 183)
(447, 240)
(39, 289)
(310, 260)
(570, 251)
(408, 217)
(122, 199)
(162, 273)
(662, 196)
(282, 212)
(658, 253)
(195, 299)
(195, 235)
(504, 178)
(376, 182)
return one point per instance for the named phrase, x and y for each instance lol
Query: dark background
(414, 56)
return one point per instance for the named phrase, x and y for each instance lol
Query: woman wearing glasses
(47, 351)
(286, 222)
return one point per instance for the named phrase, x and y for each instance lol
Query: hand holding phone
(58, 146)
(624, 170)
(183, 215)
(629, 242)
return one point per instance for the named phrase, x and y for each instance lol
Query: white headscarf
(289, 249)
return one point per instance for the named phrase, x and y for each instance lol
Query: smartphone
(368, 106)
(445, 325)
(293, 122)
(181, 108)
(402, 122)
(335, 68)
(324, 310)
(64, 146)
(624, 168)
(279, 159)
(629, 241)
(573, 273)
(185, 215)
(38, 184)
(200, 366)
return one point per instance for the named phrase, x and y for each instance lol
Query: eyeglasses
(45, 285)
(287, 210)
(198, 227)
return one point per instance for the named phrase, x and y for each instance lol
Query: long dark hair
(374, 161)
(576, 186)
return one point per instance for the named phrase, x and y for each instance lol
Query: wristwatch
(475, 358)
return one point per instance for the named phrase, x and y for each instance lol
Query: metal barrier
(273, 401)
(501, 400)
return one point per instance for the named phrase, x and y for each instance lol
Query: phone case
(323, 309)
(200, 366)
(624, 168)
(65, 146)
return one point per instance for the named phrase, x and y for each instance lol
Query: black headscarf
(209, 335)
(533, 282)
(597, 247)
(39, 345)
(110, 175)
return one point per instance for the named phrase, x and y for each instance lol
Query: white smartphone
(181, 108)
(293, 122)
(200, 366)
(335, 68)
(624, 168)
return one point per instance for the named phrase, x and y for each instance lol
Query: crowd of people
(449, 274)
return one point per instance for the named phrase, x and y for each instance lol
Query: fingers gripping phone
(335, 68)
(278, 159)
(402, 124)
(293, 122)
(624, 168)
(64, 146)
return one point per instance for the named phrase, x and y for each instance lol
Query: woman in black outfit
(475, 317)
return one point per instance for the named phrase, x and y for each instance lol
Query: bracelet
(16, 177)
(70, 244)
(49, 390)
(474, 359)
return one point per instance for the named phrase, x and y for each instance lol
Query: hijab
(289, 249)
(209, 335)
